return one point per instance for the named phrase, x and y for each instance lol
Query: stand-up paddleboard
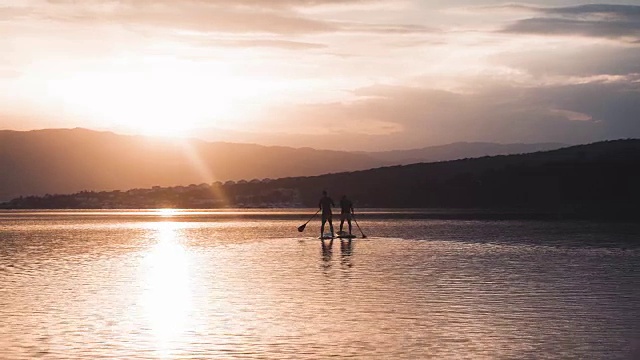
(345, 235)
(327, 236)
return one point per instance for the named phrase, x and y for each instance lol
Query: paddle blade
(301, 227)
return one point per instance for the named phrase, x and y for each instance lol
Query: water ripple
(140, 288)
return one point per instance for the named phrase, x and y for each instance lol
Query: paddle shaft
(305, 224)
(356, 221)
(314, 215)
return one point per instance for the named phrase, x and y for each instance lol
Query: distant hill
(459, 150)
(598, 180)
(70, 160)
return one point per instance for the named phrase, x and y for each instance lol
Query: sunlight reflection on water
(166, 285)
(173, 287)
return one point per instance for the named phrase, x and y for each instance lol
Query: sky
(334, 74)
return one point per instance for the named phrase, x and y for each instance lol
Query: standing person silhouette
(325, 205)
(346, 212)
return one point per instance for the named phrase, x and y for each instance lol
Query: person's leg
(324, 220)
(349, 222)
(330, 225)
(341, 222)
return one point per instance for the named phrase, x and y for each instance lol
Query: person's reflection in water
(346, 250)
(327, 253)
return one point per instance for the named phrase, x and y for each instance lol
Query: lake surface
(248, 285)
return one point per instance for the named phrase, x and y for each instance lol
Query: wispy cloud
(605, 11)
(245, 3)
(584, 61)
(242, 16)
(261, 43)
(595, 20)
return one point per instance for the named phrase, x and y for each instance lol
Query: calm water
(148, 285)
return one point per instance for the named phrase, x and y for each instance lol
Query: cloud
(228, 16)
(496, 112)
(211, 19)
(14, 13)
(243, 3)
(614, 104)
(571, 115)
(605, 11)
(582, 61)
(386, 28)
(191, 15)
(263, 43)
(595, 20)
(606, 29)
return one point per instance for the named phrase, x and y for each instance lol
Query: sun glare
(169, 98)
(167, 212)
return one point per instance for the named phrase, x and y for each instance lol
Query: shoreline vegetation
(594, 181)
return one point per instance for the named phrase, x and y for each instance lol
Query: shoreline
(287, 213)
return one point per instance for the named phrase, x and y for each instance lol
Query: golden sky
(341, 74)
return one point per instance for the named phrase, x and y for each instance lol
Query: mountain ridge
(52, 161)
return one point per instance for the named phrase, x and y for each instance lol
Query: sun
(169, 98)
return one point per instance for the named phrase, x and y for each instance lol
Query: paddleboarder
(346, 212)
(325, 205)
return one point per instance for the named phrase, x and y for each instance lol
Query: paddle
(301, 227)
(356, 221)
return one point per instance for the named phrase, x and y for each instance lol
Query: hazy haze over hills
(62, 161)
(70, 160)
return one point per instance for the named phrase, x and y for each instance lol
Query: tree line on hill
(599, 180)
